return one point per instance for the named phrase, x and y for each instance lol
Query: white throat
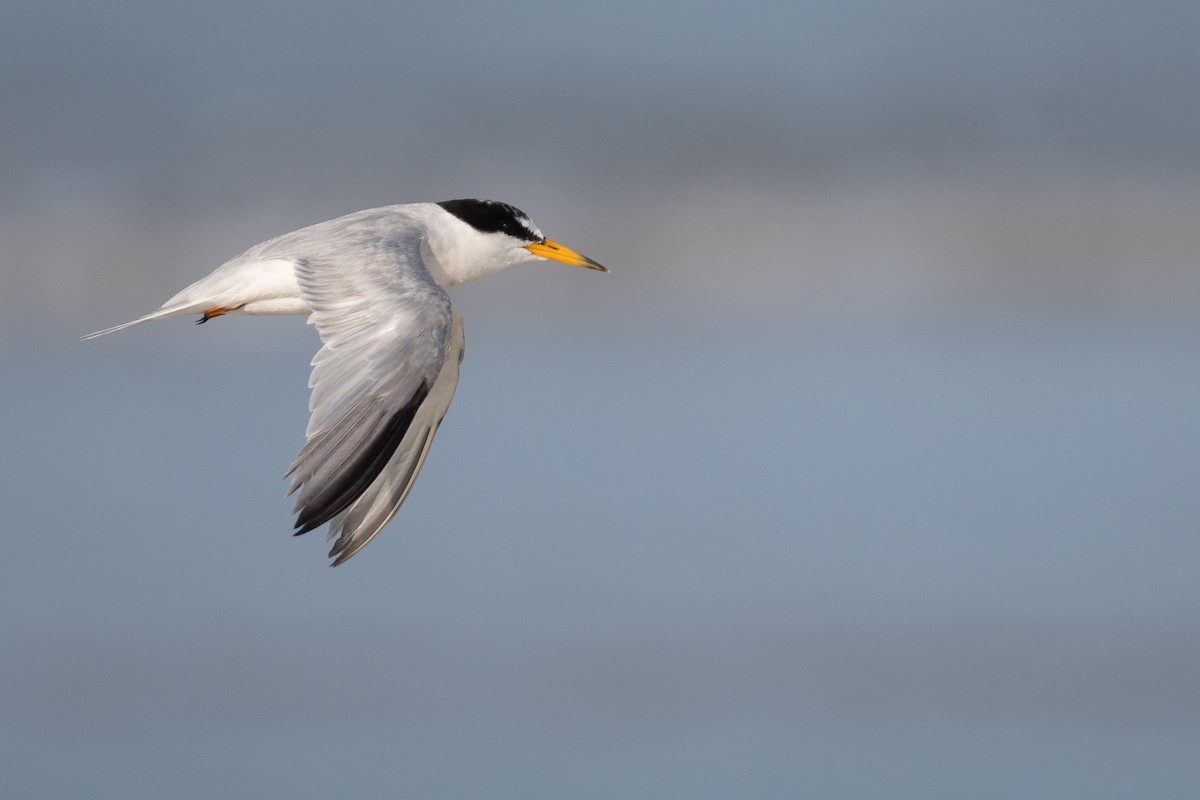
(455, 253)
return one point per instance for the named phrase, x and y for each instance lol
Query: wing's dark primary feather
(355, 477)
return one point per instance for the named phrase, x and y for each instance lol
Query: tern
(374, 284)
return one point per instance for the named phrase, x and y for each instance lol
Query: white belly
(276, 305)
(248, 287)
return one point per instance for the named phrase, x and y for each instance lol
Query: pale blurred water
(954, 560)
(870, 472)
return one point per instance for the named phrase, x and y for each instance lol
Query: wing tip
(346, 547)
(345, 490)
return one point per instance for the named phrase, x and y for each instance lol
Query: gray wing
(381, 384)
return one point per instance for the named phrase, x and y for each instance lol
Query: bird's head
(482, 237)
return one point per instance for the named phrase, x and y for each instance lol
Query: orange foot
(215, 311)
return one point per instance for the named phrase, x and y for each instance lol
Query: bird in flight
(374, 285)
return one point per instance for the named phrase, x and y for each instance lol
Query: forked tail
(173, 311)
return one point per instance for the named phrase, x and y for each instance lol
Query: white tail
(160, 314)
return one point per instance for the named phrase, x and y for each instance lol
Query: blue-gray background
(872, 471)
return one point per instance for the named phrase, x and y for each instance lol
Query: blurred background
(871, 471)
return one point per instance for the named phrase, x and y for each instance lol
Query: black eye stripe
(492, 216)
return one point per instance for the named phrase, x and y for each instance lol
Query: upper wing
(381, 383)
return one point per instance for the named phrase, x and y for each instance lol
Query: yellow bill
(556, 252)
